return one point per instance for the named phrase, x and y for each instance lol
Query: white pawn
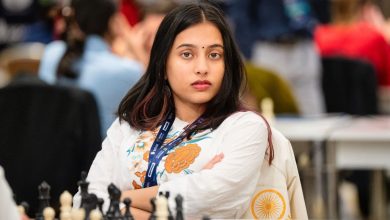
(22, 210)
(48, 213)
(66, 205)
(162, 212)
(78, 214)
(95, 215)
(267, 110)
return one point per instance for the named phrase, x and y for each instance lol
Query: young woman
(181, 128)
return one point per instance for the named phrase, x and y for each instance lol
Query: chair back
(47, 133)
(349, 86)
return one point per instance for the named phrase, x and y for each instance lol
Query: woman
(213, 151)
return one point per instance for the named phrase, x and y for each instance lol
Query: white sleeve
(101, 172)
(225, 190)
(8, 208)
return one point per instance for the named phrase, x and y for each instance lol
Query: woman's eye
(186, 55)
(215, 56)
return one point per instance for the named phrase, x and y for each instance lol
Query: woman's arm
(139, 214)
(225, 190)
(141, 197)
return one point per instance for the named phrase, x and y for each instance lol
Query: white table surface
(363, 143)
(311, 128)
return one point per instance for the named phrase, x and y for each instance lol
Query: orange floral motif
(141, 176)
(181, 158)
(136, 186)
(146, 156)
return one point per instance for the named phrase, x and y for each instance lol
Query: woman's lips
(201, 85)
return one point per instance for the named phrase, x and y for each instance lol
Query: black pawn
(153, 214)
(170, 216)
(127, 215)
(44, 199)
(179, 207)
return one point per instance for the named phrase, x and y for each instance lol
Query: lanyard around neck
(159, 150)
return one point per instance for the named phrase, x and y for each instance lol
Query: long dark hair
(92, 18)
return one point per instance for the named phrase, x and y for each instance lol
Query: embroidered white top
(224, 191)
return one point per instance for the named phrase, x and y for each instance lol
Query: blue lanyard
(158, 150)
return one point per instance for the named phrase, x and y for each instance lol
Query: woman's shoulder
(120, 129)
(245, 119)
(245, 116)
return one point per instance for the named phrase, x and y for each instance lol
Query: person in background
(277, 35)
(354, 32)
(189, 97)
(25, 21)
(86, 58)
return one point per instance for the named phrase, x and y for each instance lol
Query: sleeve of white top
(8, 208)
(102, 168)
(225, 190)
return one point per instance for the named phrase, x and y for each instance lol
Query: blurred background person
(86, 59)
(25, 21)
(277, 35)
(354, 33)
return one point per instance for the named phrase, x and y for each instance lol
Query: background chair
(47, 133)
(349, 86)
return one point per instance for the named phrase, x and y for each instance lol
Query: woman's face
(195, 65)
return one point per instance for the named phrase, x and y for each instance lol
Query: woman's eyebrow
(193, 46)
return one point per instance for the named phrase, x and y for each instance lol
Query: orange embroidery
(181, 158)
(146, 156)
(136, 186)
(141, 176)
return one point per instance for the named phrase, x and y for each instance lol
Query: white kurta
(225, 191)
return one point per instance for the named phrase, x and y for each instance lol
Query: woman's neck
(189, 113)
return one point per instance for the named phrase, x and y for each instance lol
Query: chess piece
(127, 215)
(153, 213)
(90, 203)
(100, 204)
(78, 214)
(205, 217)
(44, 199)
(162, 208)
(23, 208)
(95, 215)
(170, 216)
(267, 110)
(83, 184)
(114, 212)
(179, 207)
(66, 205)
(49, 213)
